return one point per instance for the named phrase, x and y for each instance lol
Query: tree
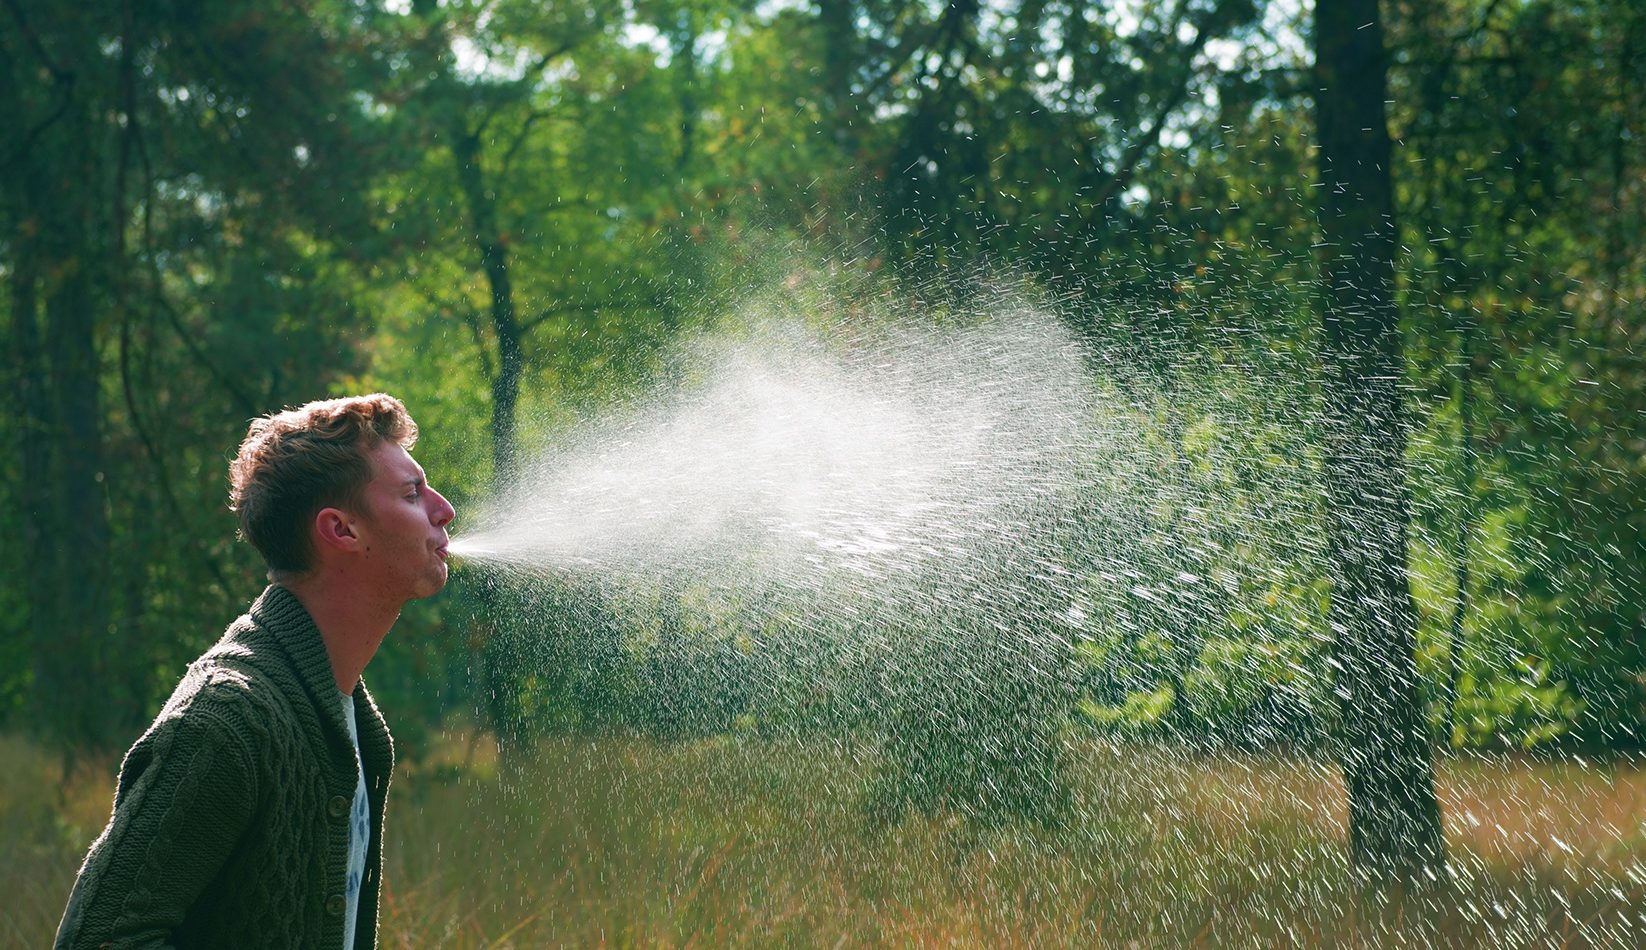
(1015, 129)
(555, 141)
(61, 239)
(1521, 196)
(1394, 817)
(168, 204)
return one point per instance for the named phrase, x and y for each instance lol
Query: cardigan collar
(279, 612)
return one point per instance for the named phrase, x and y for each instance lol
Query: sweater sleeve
(186, 796)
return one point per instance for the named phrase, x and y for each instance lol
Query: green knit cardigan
(231, 816)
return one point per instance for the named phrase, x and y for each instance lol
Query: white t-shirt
(359, 830)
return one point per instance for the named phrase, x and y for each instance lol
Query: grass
(741, 842)
(46, 824)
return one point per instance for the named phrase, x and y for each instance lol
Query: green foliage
(1522, 197)
(251, 204)
(175, 209)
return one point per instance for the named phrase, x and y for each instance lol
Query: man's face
(404, 526)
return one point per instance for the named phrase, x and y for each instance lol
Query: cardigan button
(337, 807)
(335, 905)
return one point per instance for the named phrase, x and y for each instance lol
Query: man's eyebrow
(414, 480)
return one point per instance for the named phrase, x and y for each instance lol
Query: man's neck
(351, 622)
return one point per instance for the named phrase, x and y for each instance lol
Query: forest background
(510, 213)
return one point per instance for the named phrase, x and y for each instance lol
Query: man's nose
(443, 511)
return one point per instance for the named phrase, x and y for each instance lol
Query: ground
(749, 842)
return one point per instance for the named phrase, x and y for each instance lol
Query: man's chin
(433, 585)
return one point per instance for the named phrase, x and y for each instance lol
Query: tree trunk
(73, 666)
(683, 39)
(840, 55)
(1394, 818)
(499, 664)
(494, 261)
(33, 502)
(1465, 527)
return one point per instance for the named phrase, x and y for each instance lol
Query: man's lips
(440, 552)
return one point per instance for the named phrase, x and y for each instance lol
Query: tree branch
(535, 116)
(247, 404)
(1129, 160)
(639, 303)
(62, 79)
(37, 46)
(521, 88)
(899, 54)
(471, 318)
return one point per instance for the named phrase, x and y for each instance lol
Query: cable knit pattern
(231, 816)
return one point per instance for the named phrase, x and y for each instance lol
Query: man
(250, 813)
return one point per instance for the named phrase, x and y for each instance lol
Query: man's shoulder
(242, 676)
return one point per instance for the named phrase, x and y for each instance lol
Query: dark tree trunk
(1394, 819)
(494, 261)
(840, 54)
(683, 39)
(32, 415)
(72, 668)
(1465, 528)
(451, 103)
(498, 662)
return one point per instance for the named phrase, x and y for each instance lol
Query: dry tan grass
(46, 822)
(616, 842)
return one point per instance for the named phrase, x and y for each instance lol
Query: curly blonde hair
(296, 462)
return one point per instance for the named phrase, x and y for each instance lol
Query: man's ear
(335, 528)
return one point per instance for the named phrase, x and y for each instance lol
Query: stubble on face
(405, 520)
